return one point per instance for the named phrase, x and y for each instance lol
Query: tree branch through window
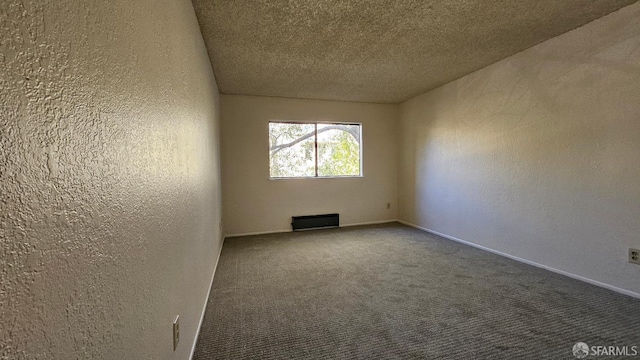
(314, 149)
(349, 129)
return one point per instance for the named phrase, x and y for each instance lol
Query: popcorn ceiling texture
(109, 173)
(374, 51)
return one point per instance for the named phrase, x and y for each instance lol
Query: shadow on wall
(535, 153)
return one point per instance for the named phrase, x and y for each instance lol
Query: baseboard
(370, 223)
(289, 230)
(258, 233)
(206, 301)
(528, 262)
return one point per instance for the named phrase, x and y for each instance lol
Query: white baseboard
(528, 262)
(370, 223)
(206, 301)
(258, 233)
(289, 230)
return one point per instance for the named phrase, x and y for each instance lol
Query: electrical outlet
(388, 205)
(176, 332)
(634, 256)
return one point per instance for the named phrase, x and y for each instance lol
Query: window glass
(314, 150)
(338, 150)
(292, 150)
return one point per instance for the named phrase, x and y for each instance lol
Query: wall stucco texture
(254, 203)
(109, 175)
(536, 155)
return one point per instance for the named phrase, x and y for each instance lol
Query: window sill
(317, 177)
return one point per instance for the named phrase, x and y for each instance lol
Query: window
(298, 150)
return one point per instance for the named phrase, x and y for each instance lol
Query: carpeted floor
(394, 292)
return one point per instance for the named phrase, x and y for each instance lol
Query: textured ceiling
(374, 51)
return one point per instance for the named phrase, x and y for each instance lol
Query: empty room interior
(217, 179)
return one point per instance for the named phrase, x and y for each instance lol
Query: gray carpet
(393, 292)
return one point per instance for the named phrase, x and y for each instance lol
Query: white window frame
(316, 149)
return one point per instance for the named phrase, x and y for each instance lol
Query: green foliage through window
(314, 150)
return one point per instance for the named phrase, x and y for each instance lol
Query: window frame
(316, 123)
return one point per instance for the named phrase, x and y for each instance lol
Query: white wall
(109, 178)
(536, 156)
(253, 203)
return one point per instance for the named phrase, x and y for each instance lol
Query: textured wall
(253, 203)
(110, 201)
(537, 155)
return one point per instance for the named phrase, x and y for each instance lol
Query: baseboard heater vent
(315, 221)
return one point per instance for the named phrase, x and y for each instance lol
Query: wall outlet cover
(634, 256)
